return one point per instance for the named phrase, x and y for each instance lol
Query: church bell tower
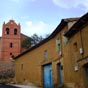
(11, 40)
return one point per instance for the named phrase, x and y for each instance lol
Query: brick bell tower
(11, 40)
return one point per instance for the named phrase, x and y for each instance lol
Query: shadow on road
(8, 86)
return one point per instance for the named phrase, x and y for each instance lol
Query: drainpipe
(81, 78)
(81, 51)
(81, 44)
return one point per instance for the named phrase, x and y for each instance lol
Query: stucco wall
(33, 61)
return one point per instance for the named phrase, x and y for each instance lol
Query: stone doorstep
(29, 84)
(70, 85)
(33, 85)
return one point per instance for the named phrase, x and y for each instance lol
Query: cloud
(72, 4)
(39, 28)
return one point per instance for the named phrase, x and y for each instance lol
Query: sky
(40, 16)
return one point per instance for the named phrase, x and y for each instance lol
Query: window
(10, 53)
(58, 45)
(21, 66)
(75, 46)
(11, 45)
(7, 31)
(65, 39)
(15, 31)
(45, 55)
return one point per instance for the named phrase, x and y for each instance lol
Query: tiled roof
(62, 24)
(82, 22)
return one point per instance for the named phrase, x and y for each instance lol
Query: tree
(26, 43)
(47, 35)
(36, 39)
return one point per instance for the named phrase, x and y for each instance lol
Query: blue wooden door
(48, 83)
(60, 73)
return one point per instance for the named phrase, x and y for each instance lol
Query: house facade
(59, 60)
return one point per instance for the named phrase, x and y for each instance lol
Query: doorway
(47, 76)
(86, 72)
(60, 68)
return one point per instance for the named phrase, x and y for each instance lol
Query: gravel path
(8, 86)
(24, 86)
(18, 86)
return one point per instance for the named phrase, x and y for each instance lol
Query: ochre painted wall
(29, 66)
(33, 61)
